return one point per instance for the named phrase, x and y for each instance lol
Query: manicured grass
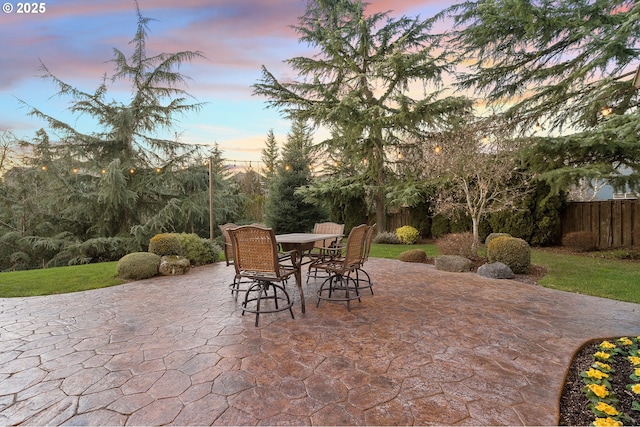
(58, 280)
(590, 275)
(392, 251)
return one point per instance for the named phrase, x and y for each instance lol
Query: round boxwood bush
(198, 250)
(407, 234)
(511, 251)
(138, 265)
(492, 236)
(165, 244)
(413, 255)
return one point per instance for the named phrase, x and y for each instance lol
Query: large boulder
(453, 263)
(173, 265)
(496, 270)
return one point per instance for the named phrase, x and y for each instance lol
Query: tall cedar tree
(567, 65)
(126, 165)
(357, 85)
(286, 210)
(269, 159)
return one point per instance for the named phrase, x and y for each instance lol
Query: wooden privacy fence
(615, 222)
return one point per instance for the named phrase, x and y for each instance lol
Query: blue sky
(75, 40)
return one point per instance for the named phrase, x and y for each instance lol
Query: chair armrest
(293, 255)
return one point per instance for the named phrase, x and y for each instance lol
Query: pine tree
(286, 210)
(122, 173)
(357, 85)
(269, 159)
(567, 65)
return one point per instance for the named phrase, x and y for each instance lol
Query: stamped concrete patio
(428, 348)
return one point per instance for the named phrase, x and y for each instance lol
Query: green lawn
(58, 280)
(590, 275)
(608, 278)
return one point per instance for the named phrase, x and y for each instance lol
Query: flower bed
(611, 384)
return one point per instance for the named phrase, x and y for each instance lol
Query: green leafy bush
(456, 244)
(165, 244)
(413, 255)
(492, 236)
(511, 251)
(138, 265)
(407, 234)
(386, 237)
(581, 241)
(198, 250)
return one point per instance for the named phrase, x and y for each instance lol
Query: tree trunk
(476, 235)
(381, 217)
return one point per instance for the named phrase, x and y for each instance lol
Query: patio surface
(428, 348)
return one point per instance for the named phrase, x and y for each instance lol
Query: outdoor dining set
(265, 261)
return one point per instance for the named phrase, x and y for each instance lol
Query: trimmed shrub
(198, 250)
(386, 237)
(414, 255)
(456, 244)
(407, 234)
(138, 265)
(165, 244)
(492, 236)
(511, 251)
(581, 241)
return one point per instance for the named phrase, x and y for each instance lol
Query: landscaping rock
(496, 270)
(453, 263)
(173, 265)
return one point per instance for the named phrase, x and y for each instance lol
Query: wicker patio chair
(238, 285)
(228, 248)
(340, 270)
(323, 250)
(256, 258)
(365, 282)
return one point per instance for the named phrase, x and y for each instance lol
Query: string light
(606, 111)
(437, 149)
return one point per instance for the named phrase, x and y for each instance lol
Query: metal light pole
(211, 218)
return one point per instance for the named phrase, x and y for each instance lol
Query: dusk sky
(75, 40)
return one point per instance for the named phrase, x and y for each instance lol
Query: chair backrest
(228, 247)
(367, 242)
(327, 228)
(255, 251)
(355, 246)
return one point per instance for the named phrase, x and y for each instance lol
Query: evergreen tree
(269, 159)
(357, 85)
(567, 65)
(286, 210)
(122, 172)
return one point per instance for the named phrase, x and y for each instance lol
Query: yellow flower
(607, 422)
(625, 341)
(602, 355)
(635, 388)
(603, 366)
(599, 390)
(637, 372)
(607, 345)
(594, 373)
(607, 409)
(634, 359)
